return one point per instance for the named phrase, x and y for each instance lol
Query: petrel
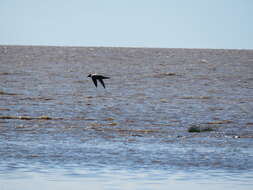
(96, 77)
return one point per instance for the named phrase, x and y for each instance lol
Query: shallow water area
(121, 179)
(58, 131)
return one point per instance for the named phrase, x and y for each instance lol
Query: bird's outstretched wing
(95, 81)
(102, 82)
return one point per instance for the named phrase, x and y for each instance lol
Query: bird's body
(98, 77)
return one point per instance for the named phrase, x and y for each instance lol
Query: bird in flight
(96, 77)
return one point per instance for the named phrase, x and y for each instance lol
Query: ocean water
(58, 131)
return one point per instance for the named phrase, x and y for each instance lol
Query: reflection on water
(56, 127)
(122, 179)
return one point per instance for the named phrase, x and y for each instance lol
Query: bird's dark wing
(95, 81)
(102, 82)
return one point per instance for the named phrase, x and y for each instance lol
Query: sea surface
(58, 131)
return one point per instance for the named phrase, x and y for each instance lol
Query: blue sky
(128, 23)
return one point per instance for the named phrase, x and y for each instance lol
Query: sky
(219, 24)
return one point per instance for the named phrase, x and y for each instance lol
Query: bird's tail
(106, 77)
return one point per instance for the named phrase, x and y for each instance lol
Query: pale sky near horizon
(128, 23)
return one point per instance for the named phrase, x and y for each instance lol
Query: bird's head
(89, 75)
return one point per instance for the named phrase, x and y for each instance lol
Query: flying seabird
(96, 77)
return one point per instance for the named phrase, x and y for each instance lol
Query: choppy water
(56, 127)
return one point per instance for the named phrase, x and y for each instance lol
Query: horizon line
(127, 47)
